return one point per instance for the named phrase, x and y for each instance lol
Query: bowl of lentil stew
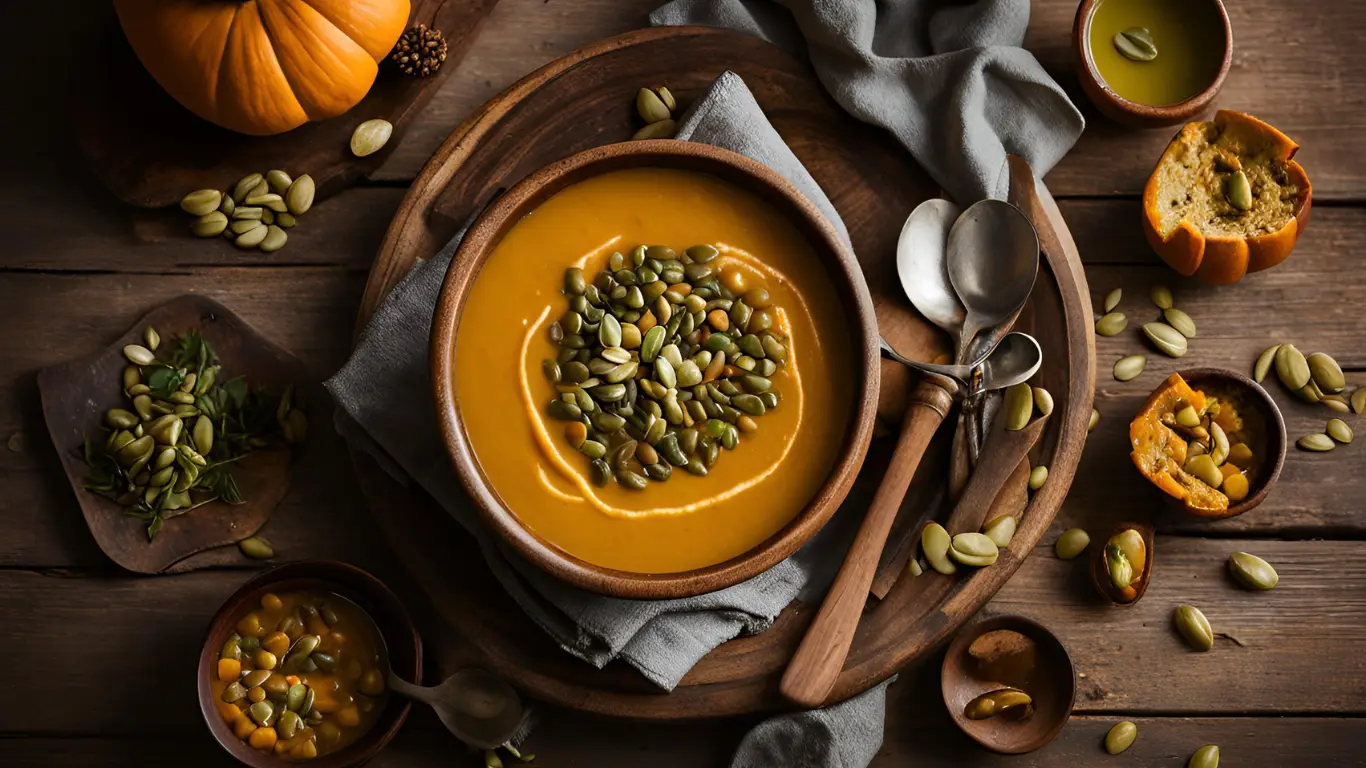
(312, 641)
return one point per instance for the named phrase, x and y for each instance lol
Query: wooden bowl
(1273, 453)
(401, 640)
(1131, 113)
(506, 211)
(1100, 573)
(1051, 684)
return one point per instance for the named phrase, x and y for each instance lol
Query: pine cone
(420, 51)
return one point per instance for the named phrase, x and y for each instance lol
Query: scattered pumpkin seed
(1112, 324)
(1112, 299)
(664, 129)
(299, 197)
(1359, 401)
(245, 185)
(915, 567)
(1071, 543)
(1194, 627)
(1167, 339)
(1037, 477)
(1264, 363)
(651, 107)
(1326, 372)
(278, 180)
(1317, 442)
(201, 202)
(1095, 419)
(273, 240)
(1043, 400)
(252, 237)
(1120, 737)
(1181, 321)
(1161, 296)
(242, 226)
(1019, 406)
(1205, 757)
(1335, 403)
(974, 549)
(1291, 367)
(1339, 431)
(256, 548)
(1309, 393)
(1238, 191)
(1130, 367)
(370, 136)
(1001, 530)
(1252, 572)
(1135, 44)
(935, 542)
(138, 354)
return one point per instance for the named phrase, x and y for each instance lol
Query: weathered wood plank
(75, 629)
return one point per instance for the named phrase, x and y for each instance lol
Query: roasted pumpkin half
(1226, 198)
(1195, 447)
(263, 66)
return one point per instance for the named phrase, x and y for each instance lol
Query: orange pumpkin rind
(1159, 453)
(1217, 259)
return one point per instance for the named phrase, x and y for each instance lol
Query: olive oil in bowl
(1189, 39)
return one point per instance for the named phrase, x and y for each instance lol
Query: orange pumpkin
(1188, 220)
(263, 66)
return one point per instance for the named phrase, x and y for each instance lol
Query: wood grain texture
(149, 150)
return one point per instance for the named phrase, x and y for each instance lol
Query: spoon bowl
(477, 706)
(922, 264)
(993, 258)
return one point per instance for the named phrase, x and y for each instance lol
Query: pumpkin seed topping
(1238, 191)
(1136, 44)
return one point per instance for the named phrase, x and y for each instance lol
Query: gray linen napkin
(949, 80)
(385, 407)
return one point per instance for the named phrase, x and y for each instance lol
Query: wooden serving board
(584, 100)
(149, 151)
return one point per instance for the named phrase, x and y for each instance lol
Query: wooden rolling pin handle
(817, 663)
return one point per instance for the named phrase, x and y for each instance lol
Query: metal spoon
(1014, 360)
(479, 707)
(922, 264)
(993, 257)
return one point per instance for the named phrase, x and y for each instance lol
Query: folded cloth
(949, 80)
(385, 407)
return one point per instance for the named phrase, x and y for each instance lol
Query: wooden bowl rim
(949, 676)
(350, 582)
(1277, 443)
(478, 244)
(1155, 116)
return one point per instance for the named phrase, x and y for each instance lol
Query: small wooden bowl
(1131, 113)
(1052, 685)
(401, 640)
(1273, 453)
(478, 245)
(1100, 573)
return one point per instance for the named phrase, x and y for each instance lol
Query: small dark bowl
(1053, 688)
(1100, 574)
(401, 640)
(1272, 456)
(1131, 113)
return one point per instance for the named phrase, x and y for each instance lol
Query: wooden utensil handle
(820, 657)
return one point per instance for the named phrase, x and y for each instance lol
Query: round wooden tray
(584, 100)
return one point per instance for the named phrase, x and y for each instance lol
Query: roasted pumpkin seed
(1194, 627)
(1317, 442)
(1071, 543)
(370, 137)
(1181, 321)
(1112, 324)
(1238, 191)
(1130, 367)
(1339, 431)
(1264, 363)
(935, 542)
(1019, 406)
(1326, 372)
(1252, 572)
(1120, 737)
(1167, 339)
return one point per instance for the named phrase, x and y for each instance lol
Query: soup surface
(690, 521)
(1189, 38)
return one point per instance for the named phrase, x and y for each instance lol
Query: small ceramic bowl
(1131, 113)
(1272, 456)
(479, 244)
(401, 640)
(1050, 681)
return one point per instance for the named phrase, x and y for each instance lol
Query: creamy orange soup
(689, 521)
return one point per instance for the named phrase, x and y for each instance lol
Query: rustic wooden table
(97, 663)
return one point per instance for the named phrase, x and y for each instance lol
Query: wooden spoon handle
(820, 657)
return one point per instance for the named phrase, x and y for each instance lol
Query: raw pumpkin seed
(1120, 737)
(1001, 530)
(652, 109)
(248, 212)
(1167, 339)
(1019, 406)
(973, 549)
(1309, 393)
(1135, 44)
(1317, 442)
(252, 237)
(1112, 299)
(278, 181)
(1252, 572)
(1037, 477)
(370, 136)
(1326, 372)
(138, 354)
(210, 225)
(664, 129)
(1194, 627)
(1339, 431)
(1071, 543)
(997, 702)
(935, 543)
(273, 240)
(242, 226)
(1095, 419)
(1205, 757)
(299, 197)
(1111, 324)
(1043, 400)
(1181, 321)
(201, 202)
(245, 185)
(1335, 403)
(1264, 363)
(1161, 296)
(256, 548)
(1238, 191)
(1359, 401)
(1205, 470)
(1130, 367)
(269, 200)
